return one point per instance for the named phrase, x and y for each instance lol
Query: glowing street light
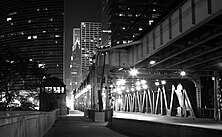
(145, 86)
(88, 87)
(132, 89)
(163, 82)
(133, 72)
(138, 88)
(183, 73)
(152, 62)
(138, 83)
(143, 82)
(157, 83)
(121, 82)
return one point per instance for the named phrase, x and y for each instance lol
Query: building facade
(124, 21)
(90, 42)
(75, 66)
(34, 29)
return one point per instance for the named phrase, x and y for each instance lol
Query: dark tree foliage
(19, 78)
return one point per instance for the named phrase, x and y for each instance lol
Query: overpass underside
(189, 40)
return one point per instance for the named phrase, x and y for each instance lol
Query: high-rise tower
(90, 41)
(75, 66)
(34, 29)
(124, 21)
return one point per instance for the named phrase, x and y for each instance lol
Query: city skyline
(75, 13)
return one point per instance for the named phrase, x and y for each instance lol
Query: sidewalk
(150, 125)
(76, 125)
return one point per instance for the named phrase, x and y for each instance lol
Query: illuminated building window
(21, 33)
(57, 36)
(35, 37)
(38, 9)
(155, 15)
(150, 22)
(41, 65)
(71, 57)
(137, 15)
(124, 42)
(9, 19)
(29, 21)
(140, 29)
(121, 14)
(43, 31)
(83, 24)
(12, 13)
(130, 15)
(70, 66)
(29, 37)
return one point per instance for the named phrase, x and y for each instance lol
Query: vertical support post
(151, 105)
(161, 102)
(216, 101)
(157, 100)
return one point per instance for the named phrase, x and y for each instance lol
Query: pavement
(179, 121)
(76, 125)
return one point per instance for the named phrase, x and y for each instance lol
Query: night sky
(77, 11)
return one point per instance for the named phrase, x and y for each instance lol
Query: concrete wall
(118, 57)
(26, 124)
(156, 129)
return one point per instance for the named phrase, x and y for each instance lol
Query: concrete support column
(217, 96)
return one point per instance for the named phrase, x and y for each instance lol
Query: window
(121, 14)
(150, 22)
(35, 37)
(9, 19)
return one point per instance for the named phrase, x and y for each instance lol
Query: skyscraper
(75, 66)
(124, 21)
(34, 29)
(90, 41)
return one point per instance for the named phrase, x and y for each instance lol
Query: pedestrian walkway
(150, 125)
(76, 125)
(180, 121)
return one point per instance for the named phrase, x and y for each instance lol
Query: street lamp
(183, 73)
(157, 83)
(133, 72)
(152, 62)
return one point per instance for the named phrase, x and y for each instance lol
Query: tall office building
(75, 66)
(124, 21)
(34, 29)
(90, 41)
